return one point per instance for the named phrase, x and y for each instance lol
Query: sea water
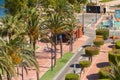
(2, 9)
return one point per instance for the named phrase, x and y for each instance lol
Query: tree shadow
(103, 64)
(84, 55)
(84, 46)
(110, 46)
(93, 76)
(76, 65)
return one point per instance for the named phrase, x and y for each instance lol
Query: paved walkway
(44, 57)
(98, 62)
(112, 3)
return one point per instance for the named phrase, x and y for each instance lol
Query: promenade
(44, 57)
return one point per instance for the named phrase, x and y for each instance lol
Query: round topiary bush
(103, 72)
(85, 63)
(104, 32)
(91, 51)
(114, 56)
(98, 42)
(72, 76)
(117, 44)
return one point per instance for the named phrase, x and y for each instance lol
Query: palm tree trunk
(55, 51)
(34, 44)
(71, 44)
(8, 77)
(22, 72)
(61, 51)
(0, 77)
(9, 36)
(52, 52)
(17, 70)
(37, 74)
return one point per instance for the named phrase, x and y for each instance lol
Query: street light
(83, 19)
(96, 11)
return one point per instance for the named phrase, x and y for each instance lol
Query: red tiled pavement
(44, 60)
(91, 72)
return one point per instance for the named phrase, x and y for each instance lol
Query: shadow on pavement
(84, 46)
(103, 64)
(110, 46)
(92, 77)
(76, 65)
(84, 55)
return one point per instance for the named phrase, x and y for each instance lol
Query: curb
(60, 72)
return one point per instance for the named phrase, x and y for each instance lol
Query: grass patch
(49, 75)
(106, 0)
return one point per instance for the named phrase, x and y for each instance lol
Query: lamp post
(83, 19)
(96, 11)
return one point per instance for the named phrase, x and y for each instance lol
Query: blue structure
(2, 9)
(117, 14)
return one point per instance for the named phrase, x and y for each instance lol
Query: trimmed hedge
(103, 72)
(85, 63)
(98, 42)
(91, 51)
(114, 56)
(117, 44)
(104, 32)
(72, 76)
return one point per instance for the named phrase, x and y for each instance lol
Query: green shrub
(91, 51)
(85, 63)
(114, 56)
(104, 32)
(103, 72)
(117, 44)
(98, 42)
(72, 76)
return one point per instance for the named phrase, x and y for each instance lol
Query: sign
(117, 13)
(93, 9)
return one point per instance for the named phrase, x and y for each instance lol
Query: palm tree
(55, 24)
(33, 28)
(21, 54)
(6, 65)
(71, 27)
(114, 73)
(9, 26)
(63, 7)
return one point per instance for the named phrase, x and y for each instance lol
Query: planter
(104, 32)
(80, 32)
(98, 42)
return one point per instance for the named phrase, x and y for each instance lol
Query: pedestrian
(104, 10)
(74, 68)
